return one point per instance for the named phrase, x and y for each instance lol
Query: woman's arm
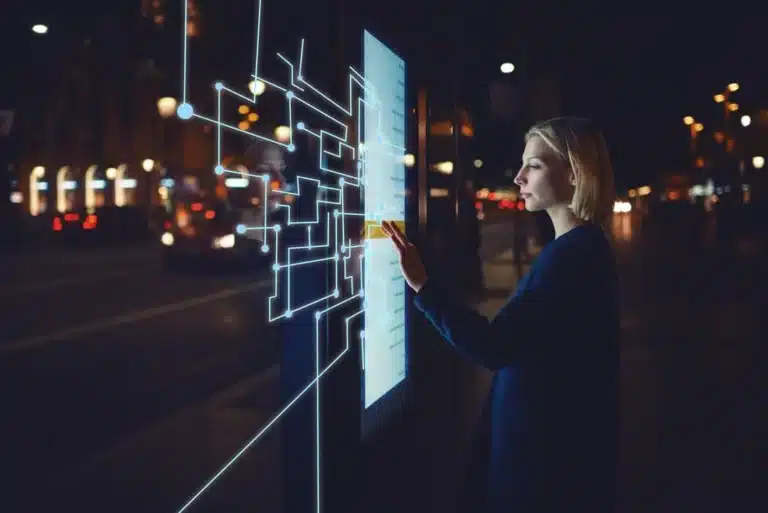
(530, 318)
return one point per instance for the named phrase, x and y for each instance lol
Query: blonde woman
(552, 417)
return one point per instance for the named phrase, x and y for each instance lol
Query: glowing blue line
(307, 262)
(270, 84)
(301, 58)
(235, 93)
(262, 432)
(310, 132)
(258, 40)
(300, 99)
(317, 414)
(321, 95)
(218, 123)
(293, 84)
(235, 129)
(185, 57)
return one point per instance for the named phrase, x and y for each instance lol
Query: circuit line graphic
(332, 125)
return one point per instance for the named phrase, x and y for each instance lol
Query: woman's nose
(519, 179)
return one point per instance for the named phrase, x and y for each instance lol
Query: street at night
(131, 404)
(240, 243)
(122, 374)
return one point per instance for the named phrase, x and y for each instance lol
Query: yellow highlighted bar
(372, 229)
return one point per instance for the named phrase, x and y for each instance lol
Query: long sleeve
(526, 321)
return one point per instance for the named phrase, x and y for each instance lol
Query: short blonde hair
(582, 147)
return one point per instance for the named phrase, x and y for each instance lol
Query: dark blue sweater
(552, 418)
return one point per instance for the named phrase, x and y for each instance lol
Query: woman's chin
(531, 206)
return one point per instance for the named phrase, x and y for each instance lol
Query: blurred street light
(745, 120)
(444, 167)
(478, 163)
(409, 160)
(166, 106)
(283, 134)
(148, 165)
(40, 29)
(257, 87)
(728, 107)
(694, 128)
(507, 68)
(758, 162)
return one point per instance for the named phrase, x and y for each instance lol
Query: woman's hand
(410, 260)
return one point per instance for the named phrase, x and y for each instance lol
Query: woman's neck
(563, 219)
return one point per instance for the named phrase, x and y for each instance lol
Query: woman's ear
(572, 178)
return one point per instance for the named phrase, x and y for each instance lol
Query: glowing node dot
(300, 78)
(317, 315)
(291, 148)
(343, 249)
(265, 178)
(362, 334)
(264, 248)
(300, 125)
(277, 227)
(219, 170)
(275, 267)
(288, 314)
(336, 257)
(219, 86)
(342, 181)
(359, 165)
(362, 293)
(240, 229)
(335, 213)
(185, 111)
(289, 95)
(336, 293)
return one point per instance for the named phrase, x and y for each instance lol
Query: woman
(553, 408)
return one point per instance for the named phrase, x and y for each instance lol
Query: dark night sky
(637, 75)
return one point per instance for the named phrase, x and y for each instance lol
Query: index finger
(386, 227)
(397, 233)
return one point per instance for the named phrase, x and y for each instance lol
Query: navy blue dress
(550, 442)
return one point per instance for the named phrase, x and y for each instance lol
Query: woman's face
(544, 179)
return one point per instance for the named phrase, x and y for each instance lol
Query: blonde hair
(582, 147)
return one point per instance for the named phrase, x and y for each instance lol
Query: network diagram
(342, 162)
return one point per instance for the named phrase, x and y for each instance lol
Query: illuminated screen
(383, 342)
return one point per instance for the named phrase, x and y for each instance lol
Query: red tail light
(71, 217)
(167, 225)
(56, 224)
(90, 222)
(197, 207)
(210, 214)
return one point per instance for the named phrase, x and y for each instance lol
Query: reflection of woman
(552, 414)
